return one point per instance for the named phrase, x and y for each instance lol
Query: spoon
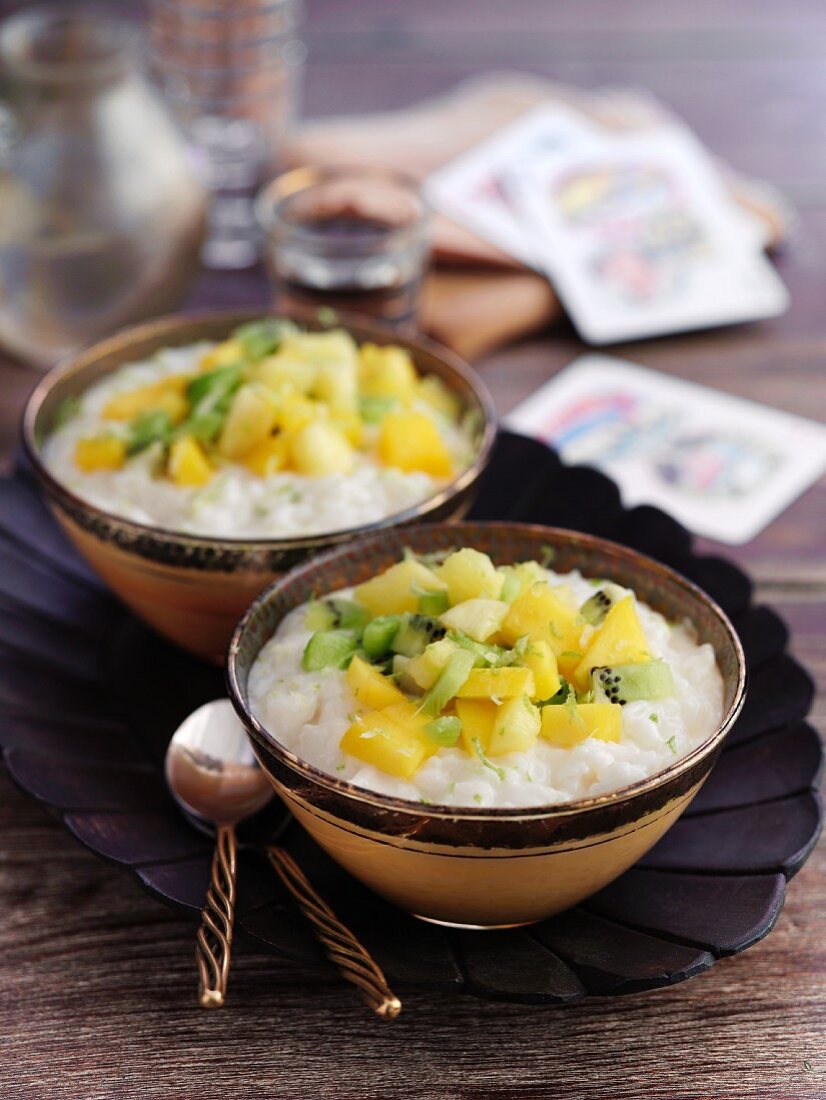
(215, 778)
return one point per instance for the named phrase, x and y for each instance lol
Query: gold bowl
(486, 867)
(193, 588)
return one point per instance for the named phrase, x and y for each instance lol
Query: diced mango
(350, 425)
(250, 420)
(103, 452)
(188, 464)
(498, 683)
(222, 355)
(515, 727)
(540, 659)
(539, 613)
(397, 589)
(376, 739)
(470, 575)
(426, 668)
(370, 687)
(569, 725)
(407, 715)
(167, 395)
(432, 390)
(410, 441)
(268, 456)
(296, 412)
(320, 449)
(480, 619)
(620, 640)
(477, 717)
(285, 374)
(386, 372)
(337, 384)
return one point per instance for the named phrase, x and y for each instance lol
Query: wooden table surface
(97, 979)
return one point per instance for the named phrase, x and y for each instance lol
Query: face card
(472, 188)
(725, 467)
(640, 238)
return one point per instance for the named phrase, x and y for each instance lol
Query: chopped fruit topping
(498, 683)
(386, 372)
(398, 750)
(268, 456)
(371, 687)
(398, 588)
(619, 641)
(410, 441)
(104, 452)
(320, 449)
(540, 659)
(477, 717)
(469, 575)
(569, 724)
(515, 727)
(188, 465)
(479, 619)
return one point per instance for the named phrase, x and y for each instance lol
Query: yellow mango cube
(540, 659)
(296, 412)
(222, 355)
(188, 465)
(569, 725)
(268, 456)
(285, 374)
(377, 739)
(336, 346)
(497, 683)
(396, 590)
(166, 395)
(620, 640)
(469, 575)
(250, 420)
(370, 687)
(104, 452)
(320, 449)
(477, 717)
(432, 390)
(386, 372)
(426, 668)
(515, 727)
(544, 616)
(337, 385)
(410, 441)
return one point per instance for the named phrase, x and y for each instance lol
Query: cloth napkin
(476, 297)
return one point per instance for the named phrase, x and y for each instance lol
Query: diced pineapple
(498, 683)
(285, 374)
(336, 346)
(320, 449)
(470, 575)
(398, 588)
(432, 390)
(426, 668)
(370, 687)
(350, 425)
(569, 725)
(478, 618)
(541, 615)
(515, 727)
(540, 659)
(188, 464)
(386, 372)
(620, 640)
(407, 715)
(477, 717)
(398, 750)
(250, 420)
(410, 441)
(296, 412)
(268, 456)
(337, 384)
(103, 452)
(167, 395)
(222, 355)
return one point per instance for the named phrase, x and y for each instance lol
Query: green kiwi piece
(328, 649)
(627, 683)
(377, 639)
(597, 606)
(336, 613)
(415, 634)
(453, 675)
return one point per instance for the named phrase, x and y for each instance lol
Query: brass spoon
(214, 777)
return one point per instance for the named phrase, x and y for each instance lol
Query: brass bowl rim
(365, 327)
(561, 809)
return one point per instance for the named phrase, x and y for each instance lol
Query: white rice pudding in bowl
(457, 683)
(273, 433)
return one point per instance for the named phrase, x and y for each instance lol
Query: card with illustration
(473, 189)
(725, 467)
(640, 237)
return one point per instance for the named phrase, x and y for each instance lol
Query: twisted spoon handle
(212, 950)
(340, 945)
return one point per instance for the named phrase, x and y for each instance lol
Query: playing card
(472, 188)
(640, 238)
(725, 467)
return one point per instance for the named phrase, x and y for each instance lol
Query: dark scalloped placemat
(89, 698)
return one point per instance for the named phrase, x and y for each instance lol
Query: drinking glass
(354, 239)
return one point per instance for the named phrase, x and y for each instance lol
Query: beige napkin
(476, 297)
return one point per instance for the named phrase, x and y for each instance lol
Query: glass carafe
(101, 219)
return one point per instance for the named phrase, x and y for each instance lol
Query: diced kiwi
(377, 639)
(454, 674)
(485, 654)
(334, 613)
(512, 585)
(626, 683)
(147, 428)
(328, 649)
(415, 634)
(264, 337)
(374, 409)
(596, 607)
(444, 731)
(433, 604)
(564, 695)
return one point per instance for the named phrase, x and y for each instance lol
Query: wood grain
(95, 975)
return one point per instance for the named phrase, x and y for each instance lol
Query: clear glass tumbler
(354, 239)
